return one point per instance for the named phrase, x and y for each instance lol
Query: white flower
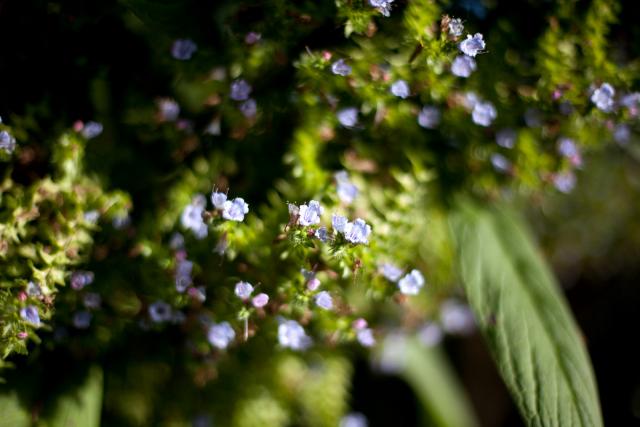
(463, 66)
(340, 68)
(218, 199)
(310, 214)
(235, 210)
(348, 117)
(483, 113)
(357, 231)
(243, 290)
(390, 271)
(400, 89)
(338, 222)
(324, 300)
(429, 117)
(383, 6)
(347, 191)
(456, 318)
(456, 27)
(365, 337)
(411, 283)
(292, 335)
(191, 217)
(220, 335)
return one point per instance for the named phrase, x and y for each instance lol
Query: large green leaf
(524, 318)
(82, 406)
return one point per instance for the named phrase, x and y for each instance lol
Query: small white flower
(310, 214)
(220, 335)
(338, 222)
(365, 337)
(483, 113)
(243, 290)
(235, 210)
(348, 117)
(411, 283)
(324, 300)
(340, 68)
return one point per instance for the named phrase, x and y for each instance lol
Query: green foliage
(524, 319)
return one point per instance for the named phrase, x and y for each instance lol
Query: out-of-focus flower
(260, 300)
(168, 110)
(218, 199)
(313, 284)
(191, 217)
(400, 88)
(500, 163)
(322, 234)
(456, 318)
(339, 222)
(292, 335)
(80, 279)
(365, 337)
(183, 49)
(565, 182)
(183, 275)
(340, 68)
(354, 419)
(603, 97)
(463, 66)
(622, 134)
(324, 300)
(7, 142)
(456, 27)
(411, 283)
(390, 271)
(430, 334)
(347, 191)
(240, 90)
(91, 129)
(506, 138)
(249, 108)
(348, 117)
(33, 289)
(252, 37)
(220, 335)
(483, 113)
(82, 319)
(30, 314)
(472, 45)
(92, 300)
(160, 311)
(243, 290)
(429, 117)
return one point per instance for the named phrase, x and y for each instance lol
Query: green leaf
(428, 372)
(82, 406)
(12, 413)
(524, 319)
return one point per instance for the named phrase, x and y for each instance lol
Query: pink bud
(78, 125)
(260, 300)
(22, 296)
(313, 284)
(22, 335)
(359, 324)
(326, 55)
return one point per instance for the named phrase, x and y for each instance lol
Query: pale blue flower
(339, 222)
(249, 108)
(506, 138)
(218, 199)
(568, 148)
(347, 191)
(91, 130)
(30, 314)
(340, 68)
(243, 290)
(533, 118)
(603, 97)
(622, 134)
(80, 279)
(463, 66)
(240, 90)
(168, 110)
(390, 271)
(429, 117)
(7, 142)
(260, 300)
(357, 231)
(348, 117)
(354, 419)
(292, 335)
(483, 113)
(365, 337)
(177, 241)
(160, 311)
(430, 334)
(310, 214)
(235, 210)
(383, 6)
(631, 101)
(220, 335)
(33, 289)
(500, 162)
(324, 300)
(183, 49)
(456, 27)
(313, 284)
(82, 319)
(322, 234)
(400, 89)
(456, 318)
(565, 182)
(91, 216)
(183, 275)
(191, 217)
(411, 283)
(252, 37)
(472, 45)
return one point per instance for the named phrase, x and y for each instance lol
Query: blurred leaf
(428, 371)
(525, 319)
(82, 406)
(13, 414)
